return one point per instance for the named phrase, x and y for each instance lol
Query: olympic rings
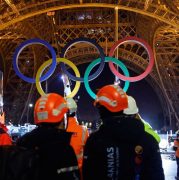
(44, 65)
(78, 80)
(97, 61)
(148, 49)
(67, 46)
(25, 44)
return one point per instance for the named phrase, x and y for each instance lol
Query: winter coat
(122, 150)
(56, 156)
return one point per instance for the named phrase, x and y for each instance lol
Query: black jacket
(122, 150)
(56, 157)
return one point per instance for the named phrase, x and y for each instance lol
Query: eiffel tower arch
(105, 21)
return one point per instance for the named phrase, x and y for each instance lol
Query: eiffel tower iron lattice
(155, 21)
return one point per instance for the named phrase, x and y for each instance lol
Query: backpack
(47, 162)
(19, 163)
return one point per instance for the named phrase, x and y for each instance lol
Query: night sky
(147, 100)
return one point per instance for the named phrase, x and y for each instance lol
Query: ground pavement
(170, 168)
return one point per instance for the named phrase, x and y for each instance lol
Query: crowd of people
(123, 148)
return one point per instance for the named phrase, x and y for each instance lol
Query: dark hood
(42, 136)
(123, 129)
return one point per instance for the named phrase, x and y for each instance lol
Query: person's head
(132, 109)
(49, 111)
(110, 101)
(71, 106)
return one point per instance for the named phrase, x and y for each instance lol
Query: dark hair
(105, 113)
(49, 125)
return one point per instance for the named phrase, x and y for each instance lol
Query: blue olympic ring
(67, 46)
(21, 47)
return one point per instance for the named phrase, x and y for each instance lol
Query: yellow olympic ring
(44, 65)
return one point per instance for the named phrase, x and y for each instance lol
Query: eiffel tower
(105, 21)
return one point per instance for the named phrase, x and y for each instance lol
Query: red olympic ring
(148, 49)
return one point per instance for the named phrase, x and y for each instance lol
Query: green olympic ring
(97, 61)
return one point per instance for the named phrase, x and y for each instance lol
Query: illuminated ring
(44, 65)
(90, 41)
(148, 49)
(25, 44)
(97, 61)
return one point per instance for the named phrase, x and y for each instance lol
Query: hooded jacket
(56, 157)
(122, 150)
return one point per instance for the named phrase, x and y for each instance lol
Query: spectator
(44, 153)
(80, 134)
(132, 111)
(120, 149)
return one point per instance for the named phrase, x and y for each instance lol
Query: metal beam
(146, 4)
(12, 6)
(169, 3)
(116, 36)
(140, 11)
(54, 27)
(93, 25)
(28, 25)
(162, 84)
